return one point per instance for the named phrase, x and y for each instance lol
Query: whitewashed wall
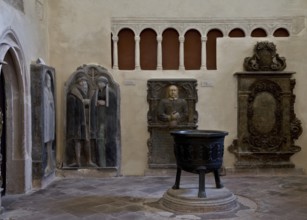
(79, 33)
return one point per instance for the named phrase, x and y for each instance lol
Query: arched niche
(212, 36)
(16, 164)
(258, 32)
(170, 49)
(148, 49)
(192, 50)
(126, 46)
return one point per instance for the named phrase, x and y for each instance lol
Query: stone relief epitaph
(267, 124)
(92, 119)
(43, 121)
(172, 106)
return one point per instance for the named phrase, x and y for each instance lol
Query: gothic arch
(18, 115)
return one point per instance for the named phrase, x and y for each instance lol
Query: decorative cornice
(294, 25)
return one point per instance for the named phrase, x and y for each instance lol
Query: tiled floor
(259, 197)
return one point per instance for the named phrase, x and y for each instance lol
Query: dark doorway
(3, 135)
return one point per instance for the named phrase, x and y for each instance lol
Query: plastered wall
(79, 33)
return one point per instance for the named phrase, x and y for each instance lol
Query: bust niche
(267, 124)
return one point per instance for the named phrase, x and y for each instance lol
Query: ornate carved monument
(43, 121)
(171, 107)
(267, 124)
(92, 119)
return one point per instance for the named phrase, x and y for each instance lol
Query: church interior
(100, 98)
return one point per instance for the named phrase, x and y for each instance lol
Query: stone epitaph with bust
(172, 106)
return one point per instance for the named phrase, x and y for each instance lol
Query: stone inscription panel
(163, 151)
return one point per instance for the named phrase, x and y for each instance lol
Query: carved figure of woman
(98, 122)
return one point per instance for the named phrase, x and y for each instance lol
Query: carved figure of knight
(80, 113)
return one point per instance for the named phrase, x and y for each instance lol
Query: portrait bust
(173, 109)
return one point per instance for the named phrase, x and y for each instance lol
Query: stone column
(203, 53)
(1, 177)
(1, 128)
(159, 59)
(137, 52)
(115, 53)
(181, 53)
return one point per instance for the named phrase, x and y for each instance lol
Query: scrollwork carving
(265, 58)
(296, 128)
(258, 140)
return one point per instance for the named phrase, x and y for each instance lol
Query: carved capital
(181, 39)
(115, 38)
(159, 38)
(204, 39)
